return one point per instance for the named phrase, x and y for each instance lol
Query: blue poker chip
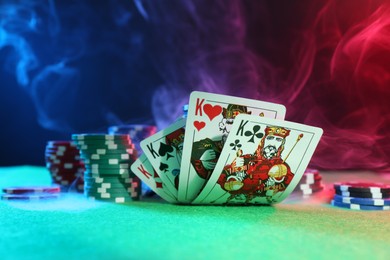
(357, 206)
(362, 201)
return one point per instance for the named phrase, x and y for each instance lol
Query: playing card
(262, 161)
(144, 170)
(164, 150)
(210, 117)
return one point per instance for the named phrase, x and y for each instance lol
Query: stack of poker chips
(185, 111)
(31, 192)
(107, 160)
(311, 182)
(362, 196)
(64, 164)
(136, 132)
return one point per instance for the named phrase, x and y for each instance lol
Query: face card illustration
(144, 170)
(164, 150)
(210, 118)
(262, 161)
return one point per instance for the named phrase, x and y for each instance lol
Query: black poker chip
(363, 187)
(362, 194)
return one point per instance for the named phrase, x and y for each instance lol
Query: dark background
(81, 66)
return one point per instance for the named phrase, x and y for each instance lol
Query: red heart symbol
(212, 111)
(199, 125)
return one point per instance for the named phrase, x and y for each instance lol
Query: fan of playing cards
(229, 150)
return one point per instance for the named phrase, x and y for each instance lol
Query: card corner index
(196, 93)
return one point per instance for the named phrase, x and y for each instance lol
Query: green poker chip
(101, 182)
(109, 190)
(108, 195)
(104, 143)
(107, 185)
(112, 200)
(108, 180)
(108, 174)
(109, 152)
(103, 172)
(119, 156)
(107, 171)
(99, 136)
(108, 162)
(90, 148)
(102, 165)
(113, 179)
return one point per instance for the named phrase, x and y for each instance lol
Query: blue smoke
(85, 64)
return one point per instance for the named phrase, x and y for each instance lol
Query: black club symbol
(235, 145)
(256, 129)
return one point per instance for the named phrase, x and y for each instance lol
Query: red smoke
(351, 85)
(326, 61)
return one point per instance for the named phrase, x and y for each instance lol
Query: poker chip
(97, 137)
(108, 185)
(112, 191)
(306, 186)
(61, 143)
(103, 172)
(310, 183)
(32, 189)
(116, 199)
(358, 206)
(310, 191)
(118, 156)
(137, 133)
(185, 110)
(97, 180)
(113, 163)
(361, 195)
(64, 163)
(376, 195)
(362, 187)
(107, 160)
(91, 147)
(311, 180)
(29, 196)
(362, 201)
(311, 171)
(103, 151)
(117, 167)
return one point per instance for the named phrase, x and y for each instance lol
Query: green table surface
(73, 227)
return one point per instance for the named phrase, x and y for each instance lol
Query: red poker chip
(32, 189)
(60, 152)
(29, 196)
(58, 155)
(61, 148)
(311, 170)
(65, 176)
(311, 177)
(60, 162)
(61, 155)
(362, 187)
(314, 186)
(66, 165)
(311, 191)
